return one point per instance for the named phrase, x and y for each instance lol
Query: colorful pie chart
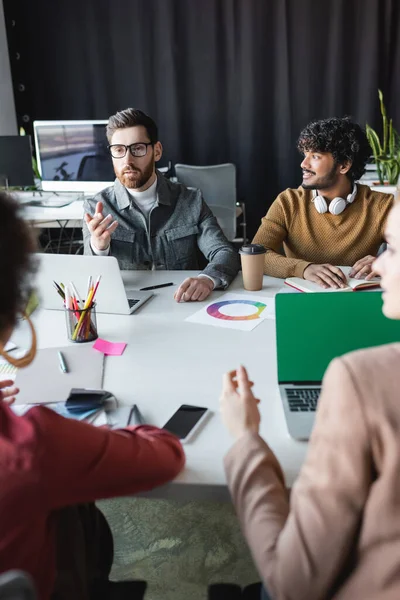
(214, 310)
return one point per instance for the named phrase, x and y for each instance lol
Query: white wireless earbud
(336, 206)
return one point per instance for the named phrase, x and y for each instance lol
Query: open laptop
(311, 330)
(111, 296)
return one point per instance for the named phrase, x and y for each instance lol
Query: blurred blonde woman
(339, 535)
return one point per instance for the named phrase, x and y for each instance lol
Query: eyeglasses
(137, 150)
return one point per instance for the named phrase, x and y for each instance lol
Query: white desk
(40, 216)
(169, 362)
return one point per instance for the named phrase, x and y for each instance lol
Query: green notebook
(312, 329)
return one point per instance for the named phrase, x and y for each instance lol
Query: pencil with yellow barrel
(83, 327)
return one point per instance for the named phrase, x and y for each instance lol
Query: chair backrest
(218, 186)
(16, 585)
(95, 167)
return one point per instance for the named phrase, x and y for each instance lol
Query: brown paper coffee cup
(252, 258)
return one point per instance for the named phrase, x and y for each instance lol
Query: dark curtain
(226, 80)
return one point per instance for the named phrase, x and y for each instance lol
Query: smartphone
(186, 421)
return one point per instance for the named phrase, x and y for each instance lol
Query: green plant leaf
(382, 106)
(35, 168)
(394, 173)
(374, 141)
(391, 139)
(385, 134)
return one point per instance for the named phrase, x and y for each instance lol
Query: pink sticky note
(109, 348)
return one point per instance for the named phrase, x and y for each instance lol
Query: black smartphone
(186, 421)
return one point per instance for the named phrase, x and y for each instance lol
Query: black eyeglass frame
(147, 144)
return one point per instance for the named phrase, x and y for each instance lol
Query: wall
(8, 121)
(226, 81)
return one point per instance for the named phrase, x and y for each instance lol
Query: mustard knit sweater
(309, 237)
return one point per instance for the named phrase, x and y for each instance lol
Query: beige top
(340, 535)
(306, 236)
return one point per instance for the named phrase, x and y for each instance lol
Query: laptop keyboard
(303, 399)
(132, 302)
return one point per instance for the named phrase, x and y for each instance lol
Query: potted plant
(387, 152)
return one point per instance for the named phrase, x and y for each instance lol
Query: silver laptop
(111, 296)
(313, 329)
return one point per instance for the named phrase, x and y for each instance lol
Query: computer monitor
(16, 161)
(72, 156)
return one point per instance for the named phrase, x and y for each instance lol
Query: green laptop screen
(312, 329)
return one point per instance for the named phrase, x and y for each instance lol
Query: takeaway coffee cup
(252, 257)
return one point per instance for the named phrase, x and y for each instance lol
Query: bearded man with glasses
(148, 222)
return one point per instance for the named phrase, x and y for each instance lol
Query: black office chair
(232, 591)
(118, 590)
(16, 585)
(95, 167)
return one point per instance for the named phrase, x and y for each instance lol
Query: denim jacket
(177, 227)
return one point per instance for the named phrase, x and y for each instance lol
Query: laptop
(311, 330)
(111, 296)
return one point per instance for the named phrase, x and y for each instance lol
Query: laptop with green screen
(311, 330)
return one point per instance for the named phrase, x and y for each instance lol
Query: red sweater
(48, 462)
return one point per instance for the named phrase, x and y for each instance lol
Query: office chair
(232, 591)
(16, 585)
(95, 167)
(218, 186)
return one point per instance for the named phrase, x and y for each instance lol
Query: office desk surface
(169, 362)
(44, 216)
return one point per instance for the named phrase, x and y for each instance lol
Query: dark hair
(16, 261)
(132, 117)
(345, 140)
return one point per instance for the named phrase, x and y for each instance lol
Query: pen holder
(81, 324)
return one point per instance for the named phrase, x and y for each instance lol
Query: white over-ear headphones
(336, 206)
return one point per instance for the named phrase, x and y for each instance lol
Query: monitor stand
(4, 182)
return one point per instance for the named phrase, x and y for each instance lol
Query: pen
(61, 360)
(155, 287)
(136, 417)
(75, 291)
(60, 293)
(59, 289)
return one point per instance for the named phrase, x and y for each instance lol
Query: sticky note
(109, 348)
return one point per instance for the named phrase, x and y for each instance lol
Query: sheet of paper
(10, 346)
(43, 382)
(109, 348)
(235, 311)
(8, 371)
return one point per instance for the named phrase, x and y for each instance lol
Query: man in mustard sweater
(329, 220)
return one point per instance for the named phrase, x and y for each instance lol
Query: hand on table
(239, 408)
(194, 288)
(363, 268)
(326, 276)
(100, 228)
(8, 391)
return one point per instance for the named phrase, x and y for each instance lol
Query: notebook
(313, 329)
(353, 284)
(43, 382)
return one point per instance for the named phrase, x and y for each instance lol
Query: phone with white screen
(186, 421)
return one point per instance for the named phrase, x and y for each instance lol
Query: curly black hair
(17, 261)
(345, 140)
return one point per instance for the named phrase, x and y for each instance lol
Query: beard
(322, 183)
(134, 178)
